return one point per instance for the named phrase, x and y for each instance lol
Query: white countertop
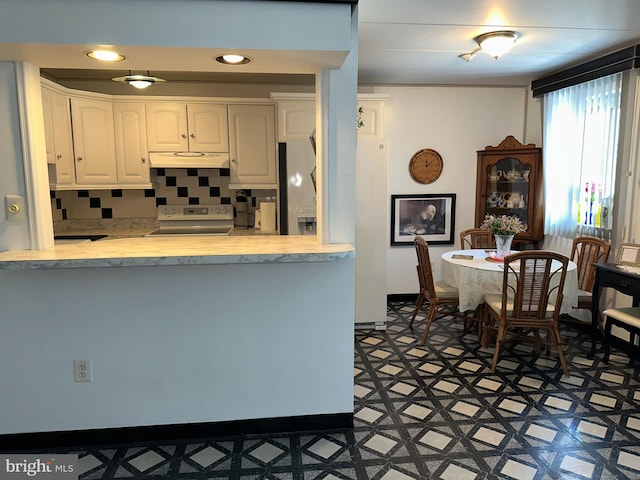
(212, 250)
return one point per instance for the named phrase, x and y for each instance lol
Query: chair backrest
(585, 252)
(532, 281)
(425, 274)
(476, 238)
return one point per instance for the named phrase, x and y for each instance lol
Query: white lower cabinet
(252, 146)
(132, 162)
(93, 141)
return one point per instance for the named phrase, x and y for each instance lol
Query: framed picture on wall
(431, 216)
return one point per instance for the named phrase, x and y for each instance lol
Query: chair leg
(632, 340)
(419, 303)
(433, 311)
(486, 331)
(558, 341)
(496, 354)
(484, 339)
(479, 320)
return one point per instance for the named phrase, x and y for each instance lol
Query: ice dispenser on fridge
(306, 215)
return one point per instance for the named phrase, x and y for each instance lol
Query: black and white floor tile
(433, 412)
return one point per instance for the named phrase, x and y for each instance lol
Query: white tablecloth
(476, 277)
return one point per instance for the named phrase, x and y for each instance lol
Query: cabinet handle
(59, 156)
(144, 160)
(184, 135)
(79, 159)
(193, 135)
(234, 160)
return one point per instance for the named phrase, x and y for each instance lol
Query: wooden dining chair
(586, 251)
(476, 238)
(441, 299)
(532, 285)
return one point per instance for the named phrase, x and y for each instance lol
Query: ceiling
(417, 42)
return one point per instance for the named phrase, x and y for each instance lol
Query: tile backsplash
(181, 186)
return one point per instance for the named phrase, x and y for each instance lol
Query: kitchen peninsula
(197, 332)
(168, 251)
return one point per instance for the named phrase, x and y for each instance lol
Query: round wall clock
(425, 166)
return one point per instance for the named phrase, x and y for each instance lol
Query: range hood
(188, 160)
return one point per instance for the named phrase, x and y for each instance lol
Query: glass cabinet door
(507, 186)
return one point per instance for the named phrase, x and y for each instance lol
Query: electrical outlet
(82, 371)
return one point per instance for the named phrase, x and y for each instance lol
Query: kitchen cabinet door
(296, 119)
(177, 127)
(93, 141)
(208, 128)
(167, 127)
(57, 125)
(252, 146)
(132, 163)
(509, 182)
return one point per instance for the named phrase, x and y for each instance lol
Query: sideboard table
(611, 276)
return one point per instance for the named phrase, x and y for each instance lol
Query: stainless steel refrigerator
(297, 201)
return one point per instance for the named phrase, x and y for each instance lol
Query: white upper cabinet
(198, 127)
(93, 140)
(208, 128)
(252, 146)
(296, 119)
(131, 143)
(57, 124)
(167, 127)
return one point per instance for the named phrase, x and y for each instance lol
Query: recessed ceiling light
(233, 59)
(105, 55)
(138, 81)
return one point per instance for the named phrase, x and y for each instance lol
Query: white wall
(163, 352)
(175, 344)
(13, 235)
(185, 23)
(456, 122)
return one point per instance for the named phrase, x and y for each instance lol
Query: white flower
(503, 225)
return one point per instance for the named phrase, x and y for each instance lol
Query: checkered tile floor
(433, 412)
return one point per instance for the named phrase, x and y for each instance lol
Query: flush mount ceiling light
(105, 56)
(233, 59)
(495, 44)
(138, 81)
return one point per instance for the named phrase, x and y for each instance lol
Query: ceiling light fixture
(138, 81)
(233, 59)
(105, 56)
(495, 44)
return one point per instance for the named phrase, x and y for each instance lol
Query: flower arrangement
(503, 225)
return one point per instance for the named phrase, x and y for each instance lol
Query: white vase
(503, 245)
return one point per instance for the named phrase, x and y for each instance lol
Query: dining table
(475, 273)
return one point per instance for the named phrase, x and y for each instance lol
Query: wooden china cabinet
(509, 182)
